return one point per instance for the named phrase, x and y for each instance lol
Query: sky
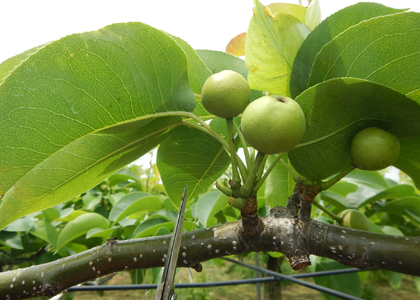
(203, 24)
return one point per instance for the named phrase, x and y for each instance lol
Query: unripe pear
(353, 218)
(225, 94)
(273, 124)
(374, 149)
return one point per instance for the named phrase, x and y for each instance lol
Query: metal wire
(274, 276)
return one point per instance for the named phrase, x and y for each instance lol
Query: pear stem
(326, 211)
(270, 168)
(327, 184)
(244, 145)
(235, 174)
(249, 184)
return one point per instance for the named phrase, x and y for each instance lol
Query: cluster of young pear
(270, 124)
(274, 124)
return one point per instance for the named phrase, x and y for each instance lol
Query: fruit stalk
(235, 174)
(264, 177)
(248, 160)
(249, 184)
(327, 184)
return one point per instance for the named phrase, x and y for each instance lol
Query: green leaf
(336, 110)
(335, 199)
(401, 206)
(11, 239)
(409, 158)
(190, 157)
(210, 204)
(398, 191)
(133, 203)
(346, 283)
(198, 72)
(383, 50)
(271, 46)
(279, 185)
(394, 279)
(343, 187)
(99, 232)
(371, 179)
(151, 226)
(324, 33)
(80, 108)
(80, 226)
(313, 14)
(217, 61)
(21, 225)
(45, 231)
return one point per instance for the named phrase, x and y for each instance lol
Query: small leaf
(279, 185)
(336, 110)
(44, 230)
(218, 61)
(371, 179)
(236, 46)
(80, 226)
(335, 199)
(151, 226)
(133, 203)
(398, 191)
(313, 14)
(401, 206)
(99, 232)
(209, 204)
(190, 157)
(271, 46)
(11, 239)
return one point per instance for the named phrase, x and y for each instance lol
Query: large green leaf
(336, 110)
(384, 50)
(324, 33)
(75, 111)
(190, 157)
(273, 40)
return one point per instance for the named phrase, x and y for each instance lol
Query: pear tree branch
(282, 231)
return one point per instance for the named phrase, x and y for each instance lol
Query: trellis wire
(274, 276)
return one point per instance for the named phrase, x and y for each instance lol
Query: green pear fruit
(225, 94)
(273, 124)
(374, 149)
(353, 218)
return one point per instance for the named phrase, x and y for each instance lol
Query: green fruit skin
(352, 218)
(225, 94)
(273, 124)
(374, 149)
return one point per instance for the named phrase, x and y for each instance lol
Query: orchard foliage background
(75, 112)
